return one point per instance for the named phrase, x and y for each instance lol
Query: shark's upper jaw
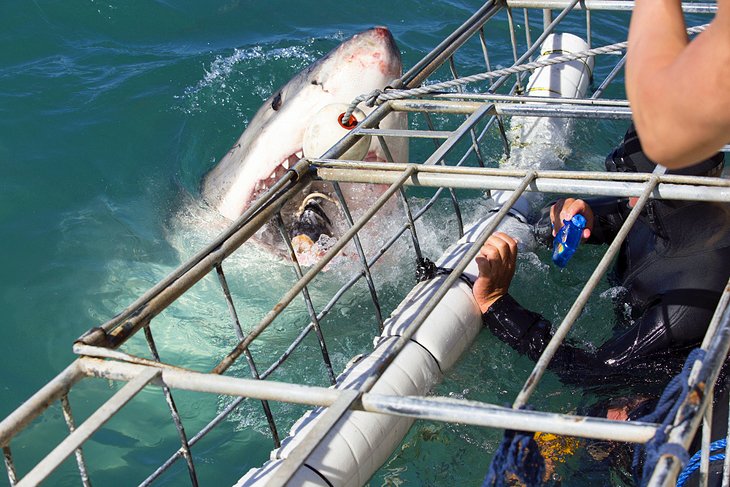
(264, 184)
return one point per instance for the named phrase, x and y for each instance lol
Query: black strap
(426, 269)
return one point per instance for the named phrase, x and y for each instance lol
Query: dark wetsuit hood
(630, 157)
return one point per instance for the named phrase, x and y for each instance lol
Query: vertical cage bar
(579, 303)
(404, 200)
(361, 254)
(706, 440)
(528, 34)
(411, 225)
(589, 29)
(307, 299)
(249, 358)
(9, 465)
(472, 132)
(452, 193)
(201, 434)
(547, 31)
(547, 18)
(726, 461)
(485, 51)
(68, 416)
(513, 40)
(185, 447)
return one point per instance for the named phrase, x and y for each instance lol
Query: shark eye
(276, 102)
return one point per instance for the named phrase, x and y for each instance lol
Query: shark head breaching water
(273, 140)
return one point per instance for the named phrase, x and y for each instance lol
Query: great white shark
(274, 138)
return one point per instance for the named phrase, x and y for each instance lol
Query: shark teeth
(266, 183)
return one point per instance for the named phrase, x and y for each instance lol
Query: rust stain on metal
(696, 394)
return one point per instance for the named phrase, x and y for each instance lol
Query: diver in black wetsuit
(674, 264)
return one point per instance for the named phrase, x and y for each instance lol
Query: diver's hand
(565, 209)
(496, 261)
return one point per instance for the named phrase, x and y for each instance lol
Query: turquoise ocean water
(110, 114)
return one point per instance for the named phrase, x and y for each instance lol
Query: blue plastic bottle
(567, 240)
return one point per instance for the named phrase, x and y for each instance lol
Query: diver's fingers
(487, 257)
(566, 209)
(496, 262)
(507, 247)
(555, 219)
(576, 206)
(511, 242)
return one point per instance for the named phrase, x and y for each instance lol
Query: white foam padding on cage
(448, 330)
(303, 477)
(543, 142)
(360, 442)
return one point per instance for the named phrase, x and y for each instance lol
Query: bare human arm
(679, 90)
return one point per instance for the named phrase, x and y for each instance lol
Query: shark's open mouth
(263, 185)
(311, 230)
(312, 219)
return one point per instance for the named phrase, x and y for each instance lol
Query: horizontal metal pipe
(531, 108)
(488, 415)
(436, 106)
(435, 408)
(213, 383)
(496, 97)
(39, 402)
(461, 170)
(565, 111)
(84, 431)
(626, 5)
(103, 352)
(594, 187)
(414, 134)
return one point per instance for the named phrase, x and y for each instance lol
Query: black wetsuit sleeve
(632, 355)
(529, 333)
(608, 216)
(525, 331)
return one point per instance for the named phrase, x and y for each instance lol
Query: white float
(327, 128)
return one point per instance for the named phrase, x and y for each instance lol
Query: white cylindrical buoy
(565, 80)
(327, 128)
